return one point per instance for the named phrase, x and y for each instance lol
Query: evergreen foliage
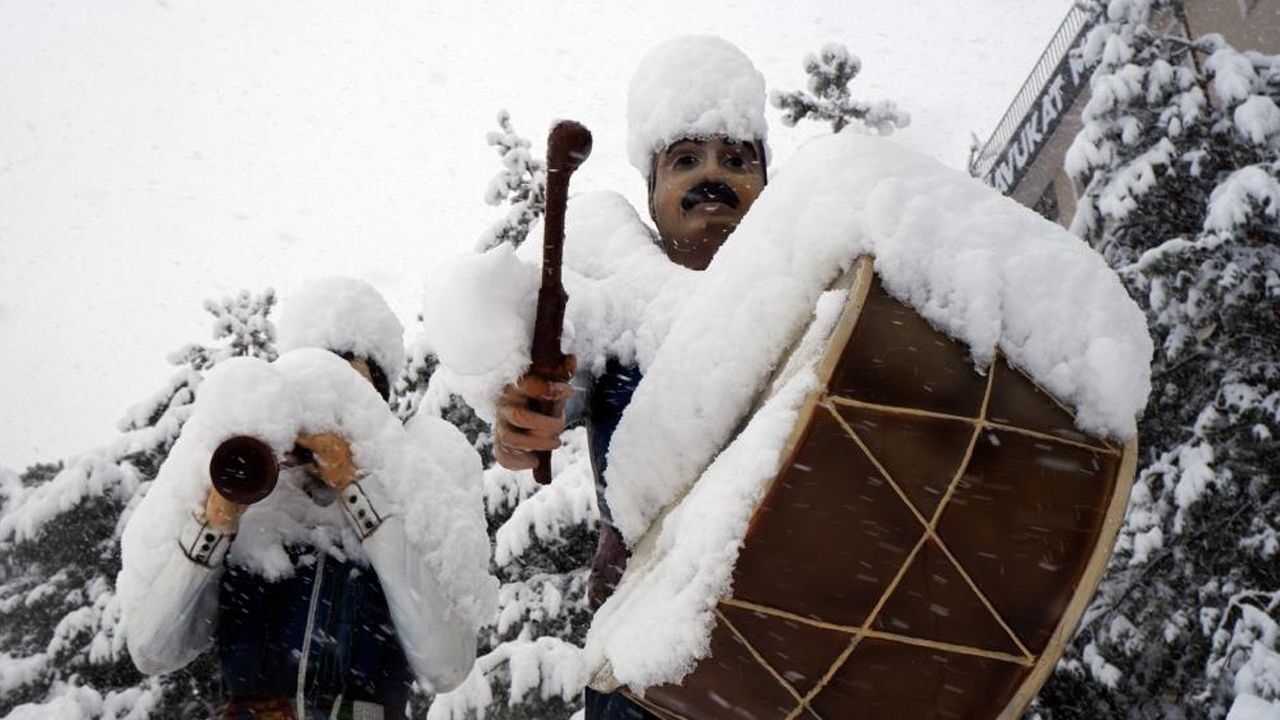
(530, 659)
(522, 184)
(529, 662)
(242, 325)
(829, 99)
(61, 648)
(1180, 159)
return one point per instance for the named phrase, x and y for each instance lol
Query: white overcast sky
(154, 153)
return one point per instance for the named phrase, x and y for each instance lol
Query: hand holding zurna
(221, 513)
(333, 461)
(243, 471)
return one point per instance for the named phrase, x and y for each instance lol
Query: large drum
(927, 547)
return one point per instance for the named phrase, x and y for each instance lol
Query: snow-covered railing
(1048, 91)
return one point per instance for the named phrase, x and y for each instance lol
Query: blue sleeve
(610, 395)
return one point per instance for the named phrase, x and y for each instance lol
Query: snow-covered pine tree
(1179, 156)
(829, 99)
(529, 665)
(530, 661)
(61, 651)
(522, 184)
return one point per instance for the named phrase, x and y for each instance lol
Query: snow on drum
(878, 463)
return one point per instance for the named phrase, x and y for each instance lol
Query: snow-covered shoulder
(976, 265)
(478, 310)
(623, 291)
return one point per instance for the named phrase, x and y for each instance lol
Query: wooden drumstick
(568, 145)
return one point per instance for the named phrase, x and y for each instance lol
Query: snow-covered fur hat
(693, 87)
(344, 315)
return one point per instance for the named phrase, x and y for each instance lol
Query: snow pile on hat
(692, 86)
(344, 315)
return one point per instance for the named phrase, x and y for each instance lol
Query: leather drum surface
(927, 548)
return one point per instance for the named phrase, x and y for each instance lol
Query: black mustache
(710, 192)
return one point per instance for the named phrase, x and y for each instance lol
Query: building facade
(1023, 157)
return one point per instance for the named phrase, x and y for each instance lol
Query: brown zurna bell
(927, 548)
(243, 469)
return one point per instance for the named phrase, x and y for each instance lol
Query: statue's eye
(685, 160)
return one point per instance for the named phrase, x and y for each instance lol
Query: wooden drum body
(927, 548)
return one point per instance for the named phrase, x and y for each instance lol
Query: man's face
(701, 190)
(361, 366)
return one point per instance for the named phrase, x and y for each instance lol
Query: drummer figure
(702, 178)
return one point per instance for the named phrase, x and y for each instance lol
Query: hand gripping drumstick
(568, 145)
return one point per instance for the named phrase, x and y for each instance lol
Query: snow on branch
(548, 666)
(1247, 193)
(547, 514)
(829, 98)
(87, 476)
(241, 324)
(522, 184)
(74, 701)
